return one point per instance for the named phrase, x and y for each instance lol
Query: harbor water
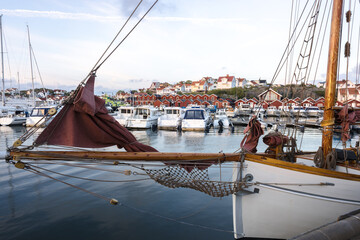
(37, 207)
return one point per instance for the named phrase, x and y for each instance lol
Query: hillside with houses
(231, 91)
(222, 92)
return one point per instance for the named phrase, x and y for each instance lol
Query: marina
(217, 158)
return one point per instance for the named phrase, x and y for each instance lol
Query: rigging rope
(125, 36)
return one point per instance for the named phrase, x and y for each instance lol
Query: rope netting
(178, 177)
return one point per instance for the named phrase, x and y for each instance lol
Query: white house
(226, 82)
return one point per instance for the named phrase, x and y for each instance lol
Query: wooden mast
(330, 90)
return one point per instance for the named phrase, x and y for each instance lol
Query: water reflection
(43, 208)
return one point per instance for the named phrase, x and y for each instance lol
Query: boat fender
(113, 201)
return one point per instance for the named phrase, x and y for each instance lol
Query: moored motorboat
(195, 119)
(144, 117)
(171, 118)
(40, 116)
(123, 113)
(12, 119)
(272, 111)
(221, 119)
(313, 111)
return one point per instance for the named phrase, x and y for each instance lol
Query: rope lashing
(347, 49)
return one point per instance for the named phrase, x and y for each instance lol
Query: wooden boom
(128, 156)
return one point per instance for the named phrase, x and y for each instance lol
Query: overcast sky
(178, 40)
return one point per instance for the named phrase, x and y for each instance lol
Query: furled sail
(85, 122)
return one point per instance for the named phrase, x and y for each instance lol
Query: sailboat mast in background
(330, 89)
(32, 74)
(2, 64)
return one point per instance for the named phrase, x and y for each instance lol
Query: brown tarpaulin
(346, 120)
(85, 122)
(252, 132)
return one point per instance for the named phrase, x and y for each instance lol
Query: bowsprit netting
(178, 177)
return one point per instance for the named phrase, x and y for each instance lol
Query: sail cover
(85, 122)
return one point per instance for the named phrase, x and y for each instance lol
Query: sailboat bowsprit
(277, 194)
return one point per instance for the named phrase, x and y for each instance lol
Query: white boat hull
(141, 123)
(11, 121)
(289, 202)
(31, 121)
(169, 124)
(225, 121)
(193, 125)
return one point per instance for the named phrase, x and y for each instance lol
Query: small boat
(221, 119)
(244, 110)
(298, 112)
(39, 114)
(284, 111)
(313, 111)
(171, 119)
(195, 119)
(144, 117)
(272, 111)
(258, 110)
(15, 118)
(229, 111)
(123, 114)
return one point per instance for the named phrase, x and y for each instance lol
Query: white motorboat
(298, 112)
(244, 110)
(171, 118)
(144, 117)
(195, 119)
(221, 119)
(259, 110)
(229, 111)
(39, 114)
(272, 111)
(313, 111)
(123, 114)
(13, 118)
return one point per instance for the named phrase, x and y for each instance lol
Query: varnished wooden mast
(330, 90)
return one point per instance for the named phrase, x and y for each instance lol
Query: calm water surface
(35, 207)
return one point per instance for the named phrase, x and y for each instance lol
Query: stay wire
(94, 70)
(116, 36)
(317, 41)
(87, 179)
(287, 46)
(127, 206)
(322, 43)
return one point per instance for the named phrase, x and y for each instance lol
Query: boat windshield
(125, 111)
(172, 111)
(194, 114)
(141, 111)
(39, 111)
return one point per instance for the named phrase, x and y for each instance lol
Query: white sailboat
(283, 199)
(9, 115)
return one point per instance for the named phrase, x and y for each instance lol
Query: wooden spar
(330, 89)
(126, 156)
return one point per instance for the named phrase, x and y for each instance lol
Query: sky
(178, 40)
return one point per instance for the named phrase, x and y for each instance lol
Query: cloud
(138, 80)
(58, 15)
(101, 18)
